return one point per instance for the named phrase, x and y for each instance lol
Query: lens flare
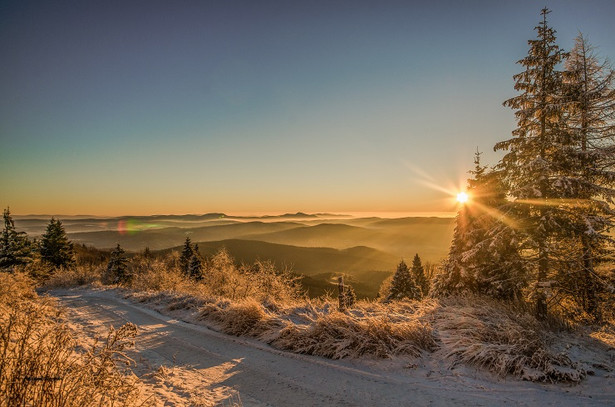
(132, 226)
(126, 227)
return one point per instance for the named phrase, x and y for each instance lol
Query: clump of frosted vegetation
(497, 337)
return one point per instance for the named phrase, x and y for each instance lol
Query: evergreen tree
(55, 248)
(467, 246)
(117, 268)
(418, 275)
(591, 125)
(195, 269)
(15, 248)
(452, 277)
(402, 285)
(493, 255)
(186, 256)
(537, 166)
(484, 256)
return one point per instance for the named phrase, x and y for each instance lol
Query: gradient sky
(142, 107)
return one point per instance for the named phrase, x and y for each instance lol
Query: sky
(250, 107)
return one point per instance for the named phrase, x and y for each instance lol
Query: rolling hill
(426, 236)
(365, 268)
(304, 260)
(157, 239)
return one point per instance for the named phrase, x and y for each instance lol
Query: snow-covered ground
(189, 364)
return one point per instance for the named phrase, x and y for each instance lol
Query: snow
(184, 364)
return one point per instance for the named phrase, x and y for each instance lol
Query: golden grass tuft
(339, 335)
(245, 317)
(320, 330)
(488, 334)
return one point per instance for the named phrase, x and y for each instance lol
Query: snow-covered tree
(15, 248)
(590, 118)
(418, 275)
(537, 166)
(402, 285)
(484, 255)
(452, 277)
(55, 248)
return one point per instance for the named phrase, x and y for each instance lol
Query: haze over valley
(317, 246)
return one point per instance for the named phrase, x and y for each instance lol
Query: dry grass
(39, 365)
(77, 276)
(222, 277)
(242, 318)
(340, 335)
(475, 331)
(314, 329)
(605, 334)
(259, 302)
(488, 334)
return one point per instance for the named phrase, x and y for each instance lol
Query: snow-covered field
(188, 364)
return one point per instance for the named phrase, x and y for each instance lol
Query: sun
(462, 197)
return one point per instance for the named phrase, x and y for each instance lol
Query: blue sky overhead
(142, 107)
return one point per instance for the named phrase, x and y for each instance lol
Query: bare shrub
(39, 364)
(76, 276)
(158, 275)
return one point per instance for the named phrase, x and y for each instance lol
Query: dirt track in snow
(205, 367)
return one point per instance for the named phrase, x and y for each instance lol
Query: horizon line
(261, 214)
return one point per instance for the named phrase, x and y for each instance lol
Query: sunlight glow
(462, 197)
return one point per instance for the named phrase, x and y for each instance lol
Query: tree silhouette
(55, 248)
(117, 267)
(15, 248)
(402, 285)
(418, 275)
(186, 256)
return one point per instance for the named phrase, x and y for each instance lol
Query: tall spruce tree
(537, 166)
(195, 268)
(493, 255)
(452, 276)
(402, 285)
(186, 256)
(15, 248)
(117, 267)
(484, 256)
(55, 248)
(591, 125)
(418, 275)
(457, 273)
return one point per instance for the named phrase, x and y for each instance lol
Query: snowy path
(221, 365)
